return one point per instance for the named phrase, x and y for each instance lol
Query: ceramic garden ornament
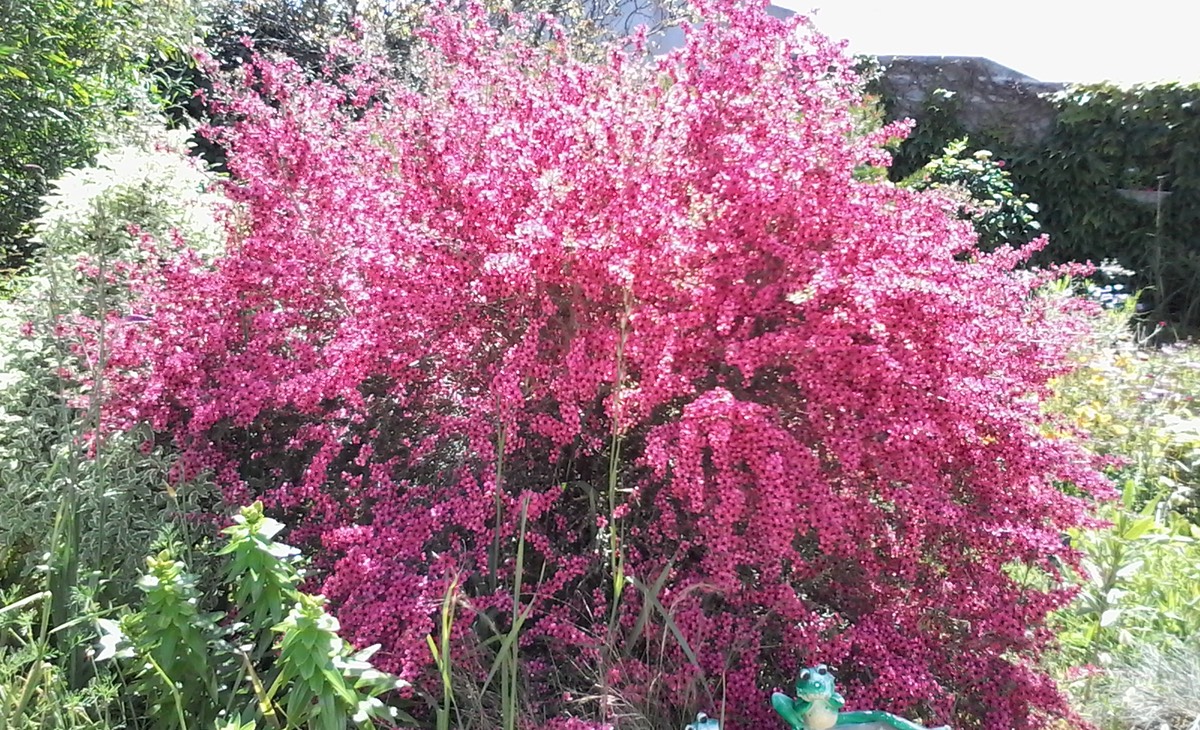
(818, 706)
(704, 722)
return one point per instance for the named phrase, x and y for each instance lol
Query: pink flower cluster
(444, 307)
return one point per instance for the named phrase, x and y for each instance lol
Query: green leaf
(1110, 617)
(1139, 528)
(1130, 569)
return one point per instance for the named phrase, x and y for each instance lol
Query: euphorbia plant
(646, 309)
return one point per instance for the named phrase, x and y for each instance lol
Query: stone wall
(990, 99)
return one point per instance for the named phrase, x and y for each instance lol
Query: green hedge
(1105, 139)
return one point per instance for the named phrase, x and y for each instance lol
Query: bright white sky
(1125, 41)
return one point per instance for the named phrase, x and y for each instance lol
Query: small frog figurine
(704, 722)
(818, 706)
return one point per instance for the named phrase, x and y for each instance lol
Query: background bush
(87, 248)
(69, 69)
(999, 214)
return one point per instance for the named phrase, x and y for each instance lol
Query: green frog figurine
(818, 706)
(704, 722)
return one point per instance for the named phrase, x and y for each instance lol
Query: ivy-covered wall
(1095, 170)
(1098, 176)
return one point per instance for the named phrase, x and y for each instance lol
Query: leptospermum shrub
(646, 310)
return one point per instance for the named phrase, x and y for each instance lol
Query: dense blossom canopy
(653, 309)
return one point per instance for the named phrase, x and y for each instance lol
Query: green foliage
(1154, 687)
(1127, 643)
(68, 69)
(195, 669)
(1138, 404)
(262, 572)
(192, 667)
(48, 77)
(999, 214)
(1131, 634)
(1096, 179)
(310, 655)
(937, 127)
(170, 636)
(1108, 139)
(1141, 584)
(35, 690)
(148, 182)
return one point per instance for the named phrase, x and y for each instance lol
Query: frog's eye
(805, 675)
(822, 670)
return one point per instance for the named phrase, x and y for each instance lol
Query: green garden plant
(274, 658)
(1138, 405)
(1151, 686)
(1108, 139)
(1127, 641)
(37, 690)
(1141, 584)
(988, 199)
(1097, 175)
(937, 127)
